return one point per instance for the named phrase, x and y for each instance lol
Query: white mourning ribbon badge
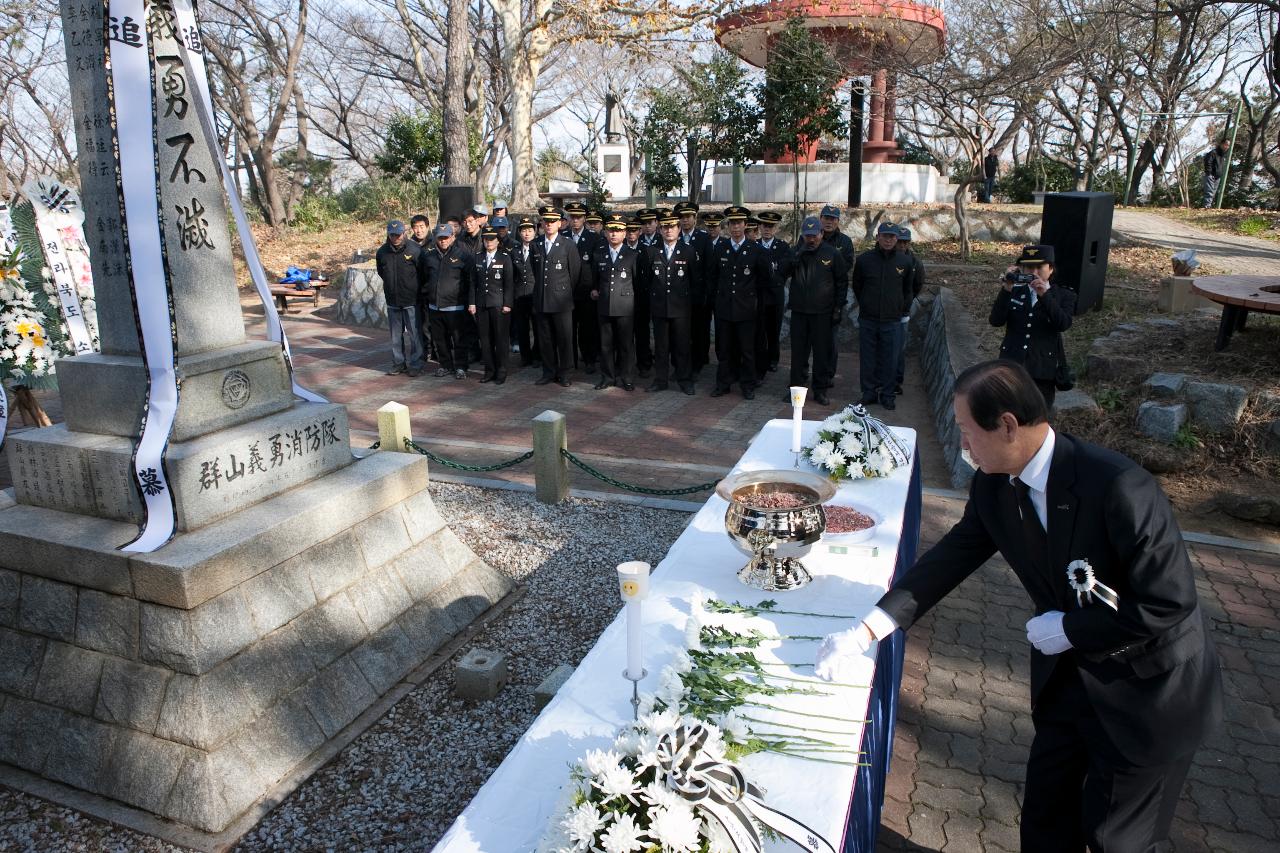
(1087, 586)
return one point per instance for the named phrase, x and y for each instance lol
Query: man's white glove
(838, 652)
(1046, 634)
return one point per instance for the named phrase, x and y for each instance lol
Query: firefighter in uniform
(586, 328)
(1035, 313)
(703, 317)
(522, 326)
(492, 299)
(773, 300)
(819, 288)
(740, 270)
(673, 270)
(557, 277)
(616, 274)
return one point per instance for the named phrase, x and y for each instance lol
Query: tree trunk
(457, 168)
(962, 215)
(523, 55)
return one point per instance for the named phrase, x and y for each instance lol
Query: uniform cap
(633, 224)
(595, 216)
(683, 207)
(887, 228)
(488, 232)
(549, 213)
(500, 222)
(480, 209)
(1039, 254)
(713, 218)
(667, 216)
(395, 226)
(831, 210)
(444, 229)
(811, 227)
(904, 233)
(500, 204)
(647, 214)
(615, 222)
(769, 217)
(524, 220)
(575, 208)
(736, 212)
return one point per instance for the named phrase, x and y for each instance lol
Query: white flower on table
(676, 829)
(597, 761)
(624, 836)
(693, 633)
(734, 726)
(670, 687)
(616, 781)
(851, 445)
(582, 824)
(658, 795)
(660, 723)
(833, 423)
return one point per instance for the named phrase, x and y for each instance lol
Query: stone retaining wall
(947, 347)
(930, 223)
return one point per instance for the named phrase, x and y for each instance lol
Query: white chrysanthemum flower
(718, 840)
(833, 423)
(658, 795)
(670, 686)
(616, 781)
(734, 727)
(715, 745)
(681, 662)
(851, 446)
(855, 471)
(624, 835)
(627, 742)
(661, 723)
(597, 761)
(824, 448)
(693, 633)
(582, 824)
(832, 459)
(647, 701)
(676, 829)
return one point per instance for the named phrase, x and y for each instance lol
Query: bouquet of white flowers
(852, 445)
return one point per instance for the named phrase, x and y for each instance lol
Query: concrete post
(393, 427)
(550, 469)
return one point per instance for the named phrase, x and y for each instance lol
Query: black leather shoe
(687, 389)
(627, 386)
(897, 391)
(484, 379)
(719, 392)
(657, 386)
(603, 384)
(888, 404)
(820, 397)
(565, 383)
(748, 393)
(545, 380)
(500, 381)
(396, 370)
(869, 401)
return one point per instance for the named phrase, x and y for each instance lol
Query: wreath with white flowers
(852, 445)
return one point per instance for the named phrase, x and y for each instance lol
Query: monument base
(188, 682)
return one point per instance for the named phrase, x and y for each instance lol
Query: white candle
(633, 585)
(798, 393)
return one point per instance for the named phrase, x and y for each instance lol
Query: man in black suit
(772, 298)
(586, 327)
(616, 276)
(557, 278)
(492, 298)
(673, 281)
(740, 270)
(1125, 682)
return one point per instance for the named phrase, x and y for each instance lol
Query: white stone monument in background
(301, 583)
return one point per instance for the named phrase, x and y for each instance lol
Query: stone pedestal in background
(361, 301)
(302, 584)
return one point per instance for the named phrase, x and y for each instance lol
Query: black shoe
(897, 390)
(748, 393)
(545, 380)
(603, 384)
(645, 372)
(414, 373)
(719, 392)
(591, 368)
(500, 381)
(869, 401)
(484, 379)
(820, 397)
(396, 369)
(440, 373)
(888, 404)
(627, 386)
(565, 383)
(687, 389)
(773, 367)
(657, 386)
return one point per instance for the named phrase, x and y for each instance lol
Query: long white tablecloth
(510, 813)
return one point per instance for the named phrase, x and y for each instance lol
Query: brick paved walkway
(964, 722)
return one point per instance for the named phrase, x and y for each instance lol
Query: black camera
(1016, 278)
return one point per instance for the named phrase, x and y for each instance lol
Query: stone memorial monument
(301, 584)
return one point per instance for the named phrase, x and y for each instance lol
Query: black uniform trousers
(1080, 791)
(524, 330)
(494, 328)
(1048, 390)
(586, 330)
(735, 353)
(449, 330)
(618, 349)
(644, 351)
(555, 343)
(811, 333)
(768, 333)
(671, 348)
(701, 318)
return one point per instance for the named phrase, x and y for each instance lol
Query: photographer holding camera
(1035, 314)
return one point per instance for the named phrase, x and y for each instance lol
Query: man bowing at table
(1125, 682)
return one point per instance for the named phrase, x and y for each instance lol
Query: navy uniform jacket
(523, 268)
(819, 280)
(402, 272)
(1032, 335)
(556, 275)
(844, 245)
(449, 277)
(587, 243)
(615, 283)
(495, 282)
(738, 279)
(674, 286)
(1149, 668)
(882, 283)
(780, 259)
(700, 241)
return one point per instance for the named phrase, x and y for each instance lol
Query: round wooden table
(1238, 295)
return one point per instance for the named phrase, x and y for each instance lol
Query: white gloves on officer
(1046, 634)
(838, 652)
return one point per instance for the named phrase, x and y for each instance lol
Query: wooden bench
(1238, 295)
(282, 292)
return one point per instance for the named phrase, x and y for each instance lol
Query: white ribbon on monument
(192, 50)
(59, 221)
(132, 99)
(8, 248)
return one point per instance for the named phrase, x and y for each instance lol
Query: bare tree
(36, 132)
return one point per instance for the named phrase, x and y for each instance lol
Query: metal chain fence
(644, 490)
(410, 444)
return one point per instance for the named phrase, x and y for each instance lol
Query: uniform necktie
(1032, 531)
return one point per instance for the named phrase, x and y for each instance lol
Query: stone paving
(964, 724)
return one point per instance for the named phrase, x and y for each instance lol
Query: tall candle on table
(633, 585)
(798, 393)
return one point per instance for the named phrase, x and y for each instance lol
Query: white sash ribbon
(8, 248)
(190, 46)
(59, 219)
(132, 99)
(1088, 587)
(894, 446)
(722, 793)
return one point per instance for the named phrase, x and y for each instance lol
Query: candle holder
(798, 394)
(633, 587)
(635, 692)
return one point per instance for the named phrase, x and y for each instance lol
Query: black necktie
(1032, 530)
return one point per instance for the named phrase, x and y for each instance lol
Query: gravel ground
(401, 783)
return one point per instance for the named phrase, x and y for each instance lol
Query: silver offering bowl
(775, 539)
